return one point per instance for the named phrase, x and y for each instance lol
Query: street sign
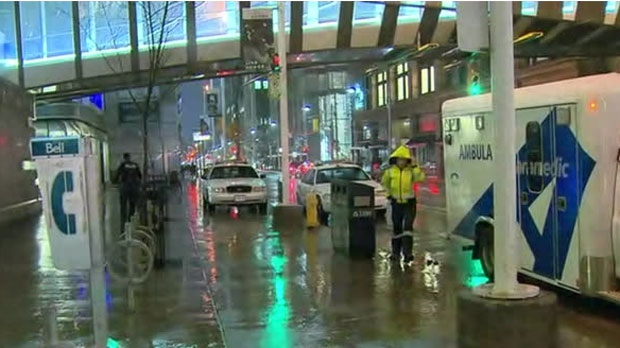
(44, 147)
(212, 102)
(198, 136)
(257, 41)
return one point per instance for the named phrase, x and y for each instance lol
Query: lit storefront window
(402, 81)
(382, 89)
(427, 80)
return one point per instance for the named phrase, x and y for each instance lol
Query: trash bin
(353, 218)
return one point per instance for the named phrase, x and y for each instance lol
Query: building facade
(411, 93)
(123, 119)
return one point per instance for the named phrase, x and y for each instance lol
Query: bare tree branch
(158, 24)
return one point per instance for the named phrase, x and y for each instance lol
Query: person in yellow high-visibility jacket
(398, 181)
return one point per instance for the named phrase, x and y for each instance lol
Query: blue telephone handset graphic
(66, 222)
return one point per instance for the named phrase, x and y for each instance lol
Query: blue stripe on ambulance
(573, 184)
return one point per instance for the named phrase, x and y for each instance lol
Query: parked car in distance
(233, 183)
(318, 180)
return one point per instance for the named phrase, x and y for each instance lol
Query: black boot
(396, 247)
(407, 247)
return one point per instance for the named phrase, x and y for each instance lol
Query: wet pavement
(232, 281)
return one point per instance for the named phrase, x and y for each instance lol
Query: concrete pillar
(391, 75)
(414, 80)
(490, 323)
(372, 90)
(440, 75)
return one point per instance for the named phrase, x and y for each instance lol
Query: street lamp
(352, 91)
(388, 100)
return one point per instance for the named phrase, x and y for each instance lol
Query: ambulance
(567, 152)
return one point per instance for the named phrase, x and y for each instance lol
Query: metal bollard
(131, 300)
(135, 221)
(149, 214)
(52, 327)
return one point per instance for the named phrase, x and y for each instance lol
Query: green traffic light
(475, 89)
(112, 343)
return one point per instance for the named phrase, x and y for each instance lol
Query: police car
(233, 183)
(318, 180)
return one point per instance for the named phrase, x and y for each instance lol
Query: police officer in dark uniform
(129, 178)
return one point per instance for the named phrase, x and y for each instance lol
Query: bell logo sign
(63, 182)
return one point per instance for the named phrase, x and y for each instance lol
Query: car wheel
(210, 208)
(262, 208)
(487, 253)
(322, 215)
(303, 207)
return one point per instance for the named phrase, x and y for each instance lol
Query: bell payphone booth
(69, 172)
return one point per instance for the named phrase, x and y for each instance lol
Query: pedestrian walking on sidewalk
(398, 181)
(129, 179)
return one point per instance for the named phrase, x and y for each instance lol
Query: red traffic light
(276, 59)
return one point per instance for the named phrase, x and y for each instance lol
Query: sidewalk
(173, 307)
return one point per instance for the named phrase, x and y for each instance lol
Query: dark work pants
(129, 199)
(403, 215)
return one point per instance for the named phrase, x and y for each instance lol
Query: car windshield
(233, 172)
(325, 176)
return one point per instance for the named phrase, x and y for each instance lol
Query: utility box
(353, 218)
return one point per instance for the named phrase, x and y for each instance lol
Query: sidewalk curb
(193, 232)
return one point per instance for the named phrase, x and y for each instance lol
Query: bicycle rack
(138, 257)
(135, 251)
(52, 331)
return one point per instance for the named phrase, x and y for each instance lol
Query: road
(232, 281)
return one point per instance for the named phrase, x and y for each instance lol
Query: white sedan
(233, 184)
(318, 181)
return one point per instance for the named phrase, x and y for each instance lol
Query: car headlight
(259, 189)
(218, 190)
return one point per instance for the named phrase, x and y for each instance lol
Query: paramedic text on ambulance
(484, 152)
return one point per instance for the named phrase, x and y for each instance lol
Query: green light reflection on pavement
(277, 333)
(476, 275)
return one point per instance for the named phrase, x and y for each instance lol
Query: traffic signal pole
(520, 314)
(505, 236)
(283, 101)
(502, 84)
